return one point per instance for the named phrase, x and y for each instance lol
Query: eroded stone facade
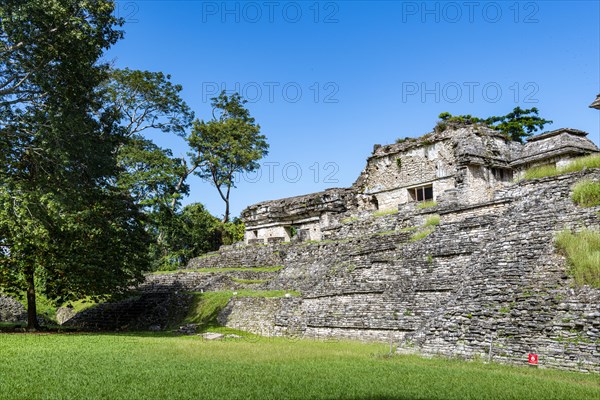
(488, 282)
(460, 165)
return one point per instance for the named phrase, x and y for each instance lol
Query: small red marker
(533, 359)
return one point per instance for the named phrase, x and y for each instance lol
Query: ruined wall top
(330, 200)
(463, 145)
(559, 142)
(457, 133)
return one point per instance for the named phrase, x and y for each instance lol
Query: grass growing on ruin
(582, 250)
(146, 366)
(433, 220)
(249, 281)
(426, 229)
(427, 204)
(216, 269)
(383, 213)
(421, 234)
(206, 306)
(577, 164)
(542, 171)
(586, 193)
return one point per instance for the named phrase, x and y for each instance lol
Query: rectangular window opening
(502, 175)
(423, 193)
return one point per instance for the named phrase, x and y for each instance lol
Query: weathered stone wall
(204, 281)
(271, 221)
(389, 175)
(257, 315)
(241, 257)
(488, 273)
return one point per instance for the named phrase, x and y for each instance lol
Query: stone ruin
(437, 247)
(461, 166)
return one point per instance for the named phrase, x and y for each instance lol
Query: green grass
(385, 233)
(206, 306)
(582, 250)
(349, 220)
(216, 269)
(426, 229)
(208, 255)
(540, 172)
(249, 281)
(586, 193)
(427, 204)
(433, 220)
(383, 213)
(147, 366)
(578, 164)
(421, 234)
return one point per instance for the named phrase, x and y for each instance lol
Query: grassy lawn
(161, 367)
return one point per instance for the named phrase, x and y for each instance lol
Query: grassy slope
(155, 367)
(206, 306)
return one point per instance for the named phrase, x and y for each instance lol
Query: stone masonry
(460, 164)
(488, 277)
(475, 274)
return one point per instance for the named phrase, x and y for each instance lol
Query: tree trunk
(226, 217)
(32, 322)
(181, 181)
(226, 198)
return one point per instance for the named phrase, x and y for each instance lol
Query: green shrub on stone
(582, 250)
(433, 220)
(586, 193)
(427, 204)
(383, 213)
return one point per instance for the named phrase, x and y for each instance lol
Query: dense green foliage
(191, 232)
(582, 250)
(229, 143)
(577, 164)
(516, 125)
(153, 367)
(66, 231)
(87, 200)
(142, 100)
(586, 193)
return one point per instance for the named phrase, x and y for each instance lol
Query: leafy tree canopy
(144, 100)
(229, 143)
(65, 229)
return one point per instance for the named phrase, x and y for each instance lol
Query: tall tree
(67, 230)
(229, 143)
(141, 101)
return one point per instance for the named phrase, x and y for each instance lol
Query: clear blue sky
(327, 80)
